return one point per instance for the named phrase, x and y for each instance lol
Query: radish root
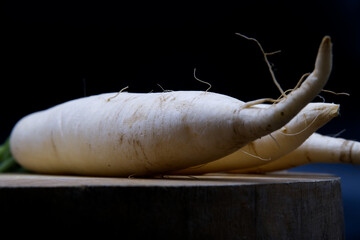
(146, 134)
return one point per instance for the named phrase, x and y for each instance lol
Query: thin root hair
(322, 98)
(305, 75)
(272, 53)
(335, 93)
(163, 88)
(297, 85)
(267, 61)
(259, 101)
(276, 142)
(202, 81)
(303, 130)
(338, 134)
(131, 176)
(118, 93)
(255, 156)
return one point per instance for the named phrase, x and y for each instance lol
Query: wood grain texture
(272, 206)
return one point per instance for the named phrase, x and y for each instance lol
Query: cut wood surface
(38, 180)
(219, 206)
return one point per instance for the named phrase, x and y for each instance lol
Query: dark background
(54, 51)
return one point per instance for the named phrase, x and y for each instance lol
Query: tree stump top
(219, 206)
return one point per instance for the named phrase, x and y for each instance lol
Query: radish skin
(144, 134)
(269, 148)
(125, 136)
(316, 149)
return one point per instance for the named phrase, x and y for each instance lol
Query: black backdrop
(54, 51)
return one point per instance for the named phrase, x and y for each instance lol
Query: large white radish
(275, 145)
(144, 134)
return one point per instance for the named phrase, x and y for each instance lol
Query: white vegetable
(275, 145)
(144, 134)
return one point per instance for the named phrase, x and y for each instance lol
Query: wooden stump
(272, 206)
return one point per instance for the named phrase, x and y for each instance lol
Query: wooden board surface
(37, 180)
(273, 206)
